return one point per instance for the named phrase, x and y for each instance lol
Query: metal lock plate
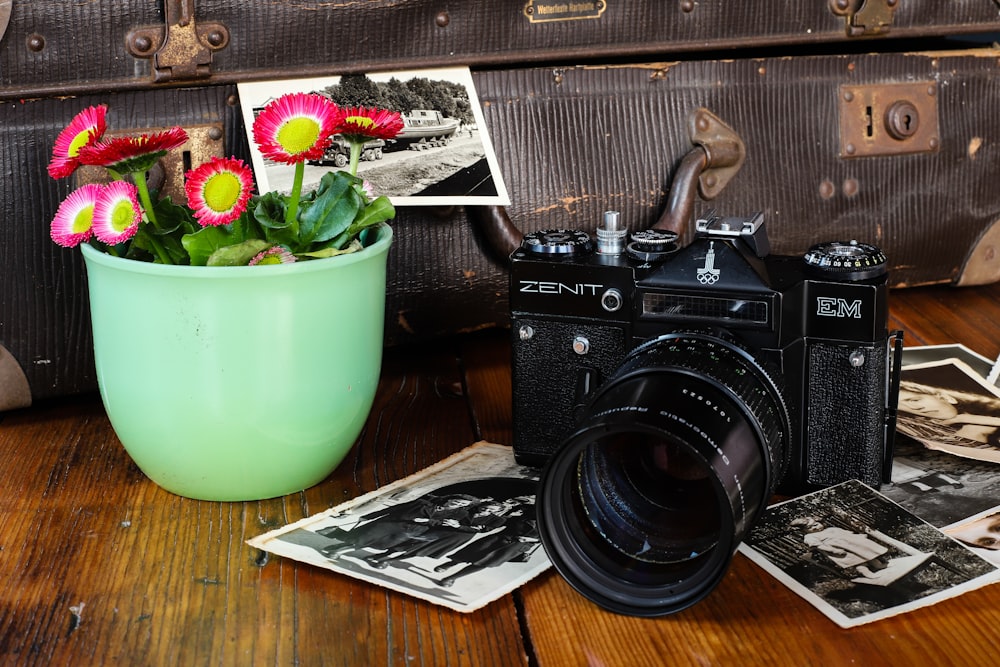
(888, 119)
(181, 49)
(865, 18)
(167, 176)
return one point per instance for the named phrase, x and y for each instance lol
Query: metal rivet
(851, 187)
(215, 133)
(526, 332)
(142, 44)
(857, 359)
(848, 96)
(216, 38)
(35, 42)
(442, 19)
(850, 149)
(581, 345)
(827, 189)
(687, 6)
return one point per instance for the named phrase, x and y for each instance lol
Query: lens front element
(643, 507)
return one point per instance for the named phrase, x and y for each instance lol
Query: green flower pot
(238, 383)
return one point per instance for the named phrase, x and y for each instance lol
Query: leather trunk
(591, 106)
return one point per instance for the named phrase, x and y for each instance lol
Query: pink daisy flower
(295, 127)
(127, 155)
(75, 218)
(116, 213)
(218, 191)
(85, 128)
(360, 124)
(273, 255)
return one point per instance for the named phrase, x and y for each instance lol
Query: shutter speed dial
(846, 260)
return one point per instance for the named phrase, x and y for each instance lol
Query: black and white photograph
(980, 533)
(922, 354)
(442, 156)
(460, 533)
(947, 406)
(941, 488)
(859, 557)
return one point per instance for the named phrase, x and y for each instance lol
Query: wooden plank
(100, 565)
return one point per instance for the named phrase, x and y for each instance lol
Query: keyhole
(902, 120)
(869, 128)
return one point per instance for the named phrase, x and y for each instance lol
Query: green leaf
(203, 243)
(172, 217)
(239, 254)
(270, 211)
(380, 210)
(332, 211)
(353, 246)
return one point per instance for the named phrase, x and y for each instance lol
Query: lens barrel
(642, 508)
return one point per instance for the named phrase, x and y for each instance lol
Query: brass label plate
(543, 11)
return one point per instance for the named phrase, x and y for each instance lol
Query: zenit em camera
(671, 391)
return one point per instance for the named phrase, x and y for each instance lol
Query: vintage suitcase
(579, 122)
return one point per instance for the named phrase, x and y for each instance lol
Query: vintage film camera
(670, 391)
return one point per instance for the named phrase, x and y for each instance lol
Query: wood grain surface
(99, 566)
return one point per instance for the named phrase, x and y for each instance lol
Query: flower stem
(147, 202)
(292, 212)
(356, 147)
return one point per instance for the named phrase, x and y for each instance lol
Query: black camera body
(670, 392)
(819, 322)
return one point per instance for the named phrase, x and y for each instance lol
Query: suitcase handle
(706, 169)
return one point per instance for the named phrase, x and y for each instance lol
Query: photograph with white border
(461, 533)
(979, 533)
(947, 406)
(922, 354)
(858, 557)
(443, 156)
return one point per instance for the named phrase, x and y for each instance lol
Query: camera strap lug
(892, 401)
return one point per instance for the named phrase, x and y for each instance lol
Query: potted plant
(237, 339)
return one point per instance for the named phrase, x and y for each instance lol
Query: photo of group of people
(460, 533)
(933, 532)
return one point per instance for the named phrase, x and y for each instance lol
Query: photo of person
(981, 534)
(859, 557)
(865, 553)
(460, 534)
(946, 406)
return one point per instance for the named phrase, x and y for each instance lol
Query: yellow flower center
(363, 122)
(298, 135)
(83, 220)
(122, 215)
(79, 141)
(222, 191)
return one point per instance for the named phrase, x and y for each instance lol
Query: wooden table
(100, 566)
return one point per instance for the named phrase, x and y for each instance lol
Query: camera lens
(643, 507)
